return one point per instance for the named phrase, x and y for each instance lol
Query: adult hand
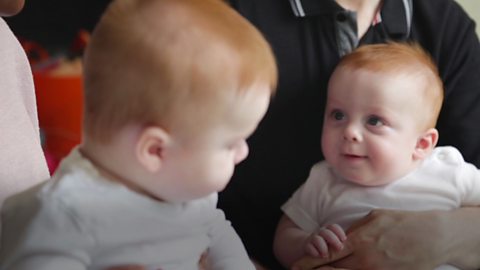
(387, 239)
(310, 263)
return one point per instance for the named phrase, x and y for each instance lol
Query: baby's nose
(352, 133)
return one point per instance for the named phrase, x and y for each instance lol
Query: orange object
(60, 105)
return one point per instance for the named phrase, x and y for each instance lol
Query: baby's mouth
(354, 156)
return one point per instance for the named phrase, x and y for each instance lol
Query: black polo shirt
(308, 38)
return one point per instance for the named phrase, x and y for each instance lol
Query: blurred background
(54, 34)
(54, 23)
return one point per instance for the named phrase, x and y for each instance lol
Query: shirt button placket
(346, 31)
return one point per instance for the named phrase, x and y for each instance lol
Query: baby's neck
(113, 162)
(105, 168)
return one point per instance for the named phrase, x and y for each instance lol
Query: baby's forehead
(361, 81)
(406, 68)
(397, 74)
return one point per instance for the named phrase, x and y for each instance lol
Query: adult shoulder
(440, 21)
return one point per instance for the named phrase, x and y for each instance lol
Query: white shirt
(79, 220)
(443, 181)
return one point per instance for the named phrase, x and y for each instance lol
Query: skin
(201, 161)
(186, 162)
(387, 243)
(372, 133)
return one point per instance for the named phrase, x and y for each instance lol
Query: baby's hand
(318, 243)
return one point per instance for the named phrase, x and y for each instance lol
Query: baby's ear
(150, 148)
(425, 144)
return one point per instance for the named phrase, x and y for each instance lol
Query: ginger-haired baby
(379, 141)
(173, 88)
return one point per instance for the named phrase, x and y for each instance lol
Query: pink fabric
(22, 163)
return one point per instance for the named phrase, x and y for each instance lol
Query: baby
(173, 88)
(378, 141)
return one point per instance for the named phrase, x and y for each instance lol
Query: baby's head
(402, 62)
(176, 82)
(382, 106)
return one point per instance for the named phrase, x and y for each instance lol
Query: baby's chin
(371, 181)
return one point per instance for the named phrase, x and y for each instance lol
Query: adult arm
(22, 163)
(442, 238)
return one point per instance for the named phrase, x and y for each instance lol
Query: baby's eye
(375, 121)
(337, 115)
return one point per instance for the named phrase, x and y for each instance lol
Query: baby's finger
(320, 245)
(311, 250)
(331, 238)
(336, 229)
